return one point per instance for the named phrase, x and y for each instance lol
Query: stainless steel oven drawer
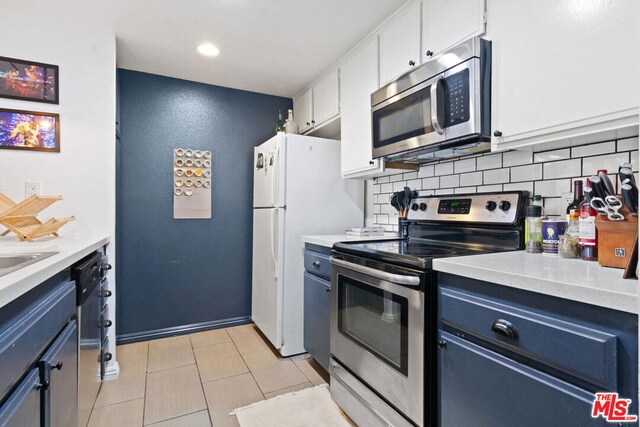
(317, 263)
(566, 346)
(360, 403)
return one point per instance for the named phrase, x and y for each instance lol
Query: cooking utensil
(394, 201)
(606, 182)
(608, 206)
(630, 198)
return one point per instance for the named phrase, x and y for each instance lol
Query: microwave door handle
(399, 279)
(435, 123)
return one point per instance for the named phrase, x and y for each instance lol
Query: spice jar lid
(534, 211)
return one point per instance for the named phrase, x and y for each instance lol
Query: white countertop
(330, 239)
(70, 249)
(572, 279)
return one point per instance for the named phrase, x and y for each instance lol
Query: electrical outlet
(567, 198)
(32, 187)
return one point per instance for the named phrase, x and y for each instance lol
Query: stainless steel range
(383, 318)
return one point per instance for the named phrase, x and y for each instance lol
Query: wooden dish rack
(21, 218)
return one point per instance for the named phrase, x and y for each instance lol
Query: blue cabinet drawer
(478, 387)
(317, 263)
(576, 349)
(24, 339)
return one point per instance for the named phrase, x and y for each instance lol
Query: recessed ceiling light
(207, 49)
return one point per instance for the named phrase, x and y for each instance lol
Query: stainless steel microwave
(441, 109)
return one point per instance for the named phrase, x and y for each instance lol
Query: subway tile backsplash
(548, 173)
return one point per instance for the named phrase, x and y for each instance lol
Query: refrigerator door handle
(274, 219)
(275, 178)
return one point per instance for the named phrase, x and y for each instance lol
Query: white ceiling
(270, 46)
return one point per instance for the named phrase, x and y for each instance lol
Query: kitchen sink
(13, 262)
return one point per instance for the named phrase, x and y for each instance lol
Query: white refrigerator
(297, 190)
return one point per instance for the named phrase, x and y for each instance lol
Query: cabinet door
(482, 388)
(400, 43)
(446, 23)
(326, 98)
(317, 315)
(59, 366)
(577, 75)
(303, 110)
(358, 80)
(22, 408)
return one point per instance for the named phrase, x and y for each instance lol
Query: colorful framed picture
(28, 81)
(29, 130)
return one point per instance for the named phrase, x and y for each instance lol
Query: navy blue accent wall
(173, 273)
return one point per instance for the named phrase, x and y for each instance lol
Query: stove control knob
(414, 207)
(491, 205)
(423, 206)
(505, 205)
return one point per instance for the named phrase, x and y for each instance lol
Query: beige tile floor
(196, 380)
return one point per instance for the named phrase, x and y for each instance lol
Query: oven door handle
(435, 122)
(382, 275)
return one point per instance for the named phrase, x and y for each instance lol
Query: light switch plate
(32, 187)
(567, 198)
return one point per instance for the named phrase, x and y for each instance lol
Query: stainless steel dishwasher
(89, 275)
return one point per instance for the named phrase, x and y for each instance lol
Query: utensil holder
(616, 239)
(403, 228)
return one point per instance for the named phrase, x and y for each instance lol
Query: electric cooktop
(410, 252)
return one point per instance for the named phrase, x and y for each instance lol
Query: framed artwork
(28, 80)
(29, 130)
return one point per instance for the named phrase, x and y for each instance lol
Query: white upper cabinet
(400, 43)
(446, 23)
(326, 98)
(303, 110)
(563, 71)
(358, 79)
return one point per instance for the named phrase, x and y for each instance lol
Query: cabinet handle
(316, 263)
(313, 122)
(497, 134)
(371, 162)
(107, 294)
(108, 324)
(43, 386)
(429, 53)
(505, 328)
(412, 63)
(108, 357)
(58, 366)
(442, 343)
(327, 290)
(308, 124)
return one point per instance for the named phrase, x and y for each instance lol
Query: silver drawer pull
(382, 275)
(316, 263)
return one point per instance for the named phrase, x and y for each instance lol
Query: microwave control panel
(456, 107)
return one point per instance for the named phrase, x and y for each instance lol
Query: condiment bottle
(587, 229)
(533, 230)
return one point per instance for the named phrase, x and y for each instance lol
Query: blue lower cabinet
(481, 388)
(317, 313)
(59, 368)
(22, 408)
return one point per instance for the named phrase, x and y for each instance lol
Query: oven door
(442, 109)
(377, 332)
